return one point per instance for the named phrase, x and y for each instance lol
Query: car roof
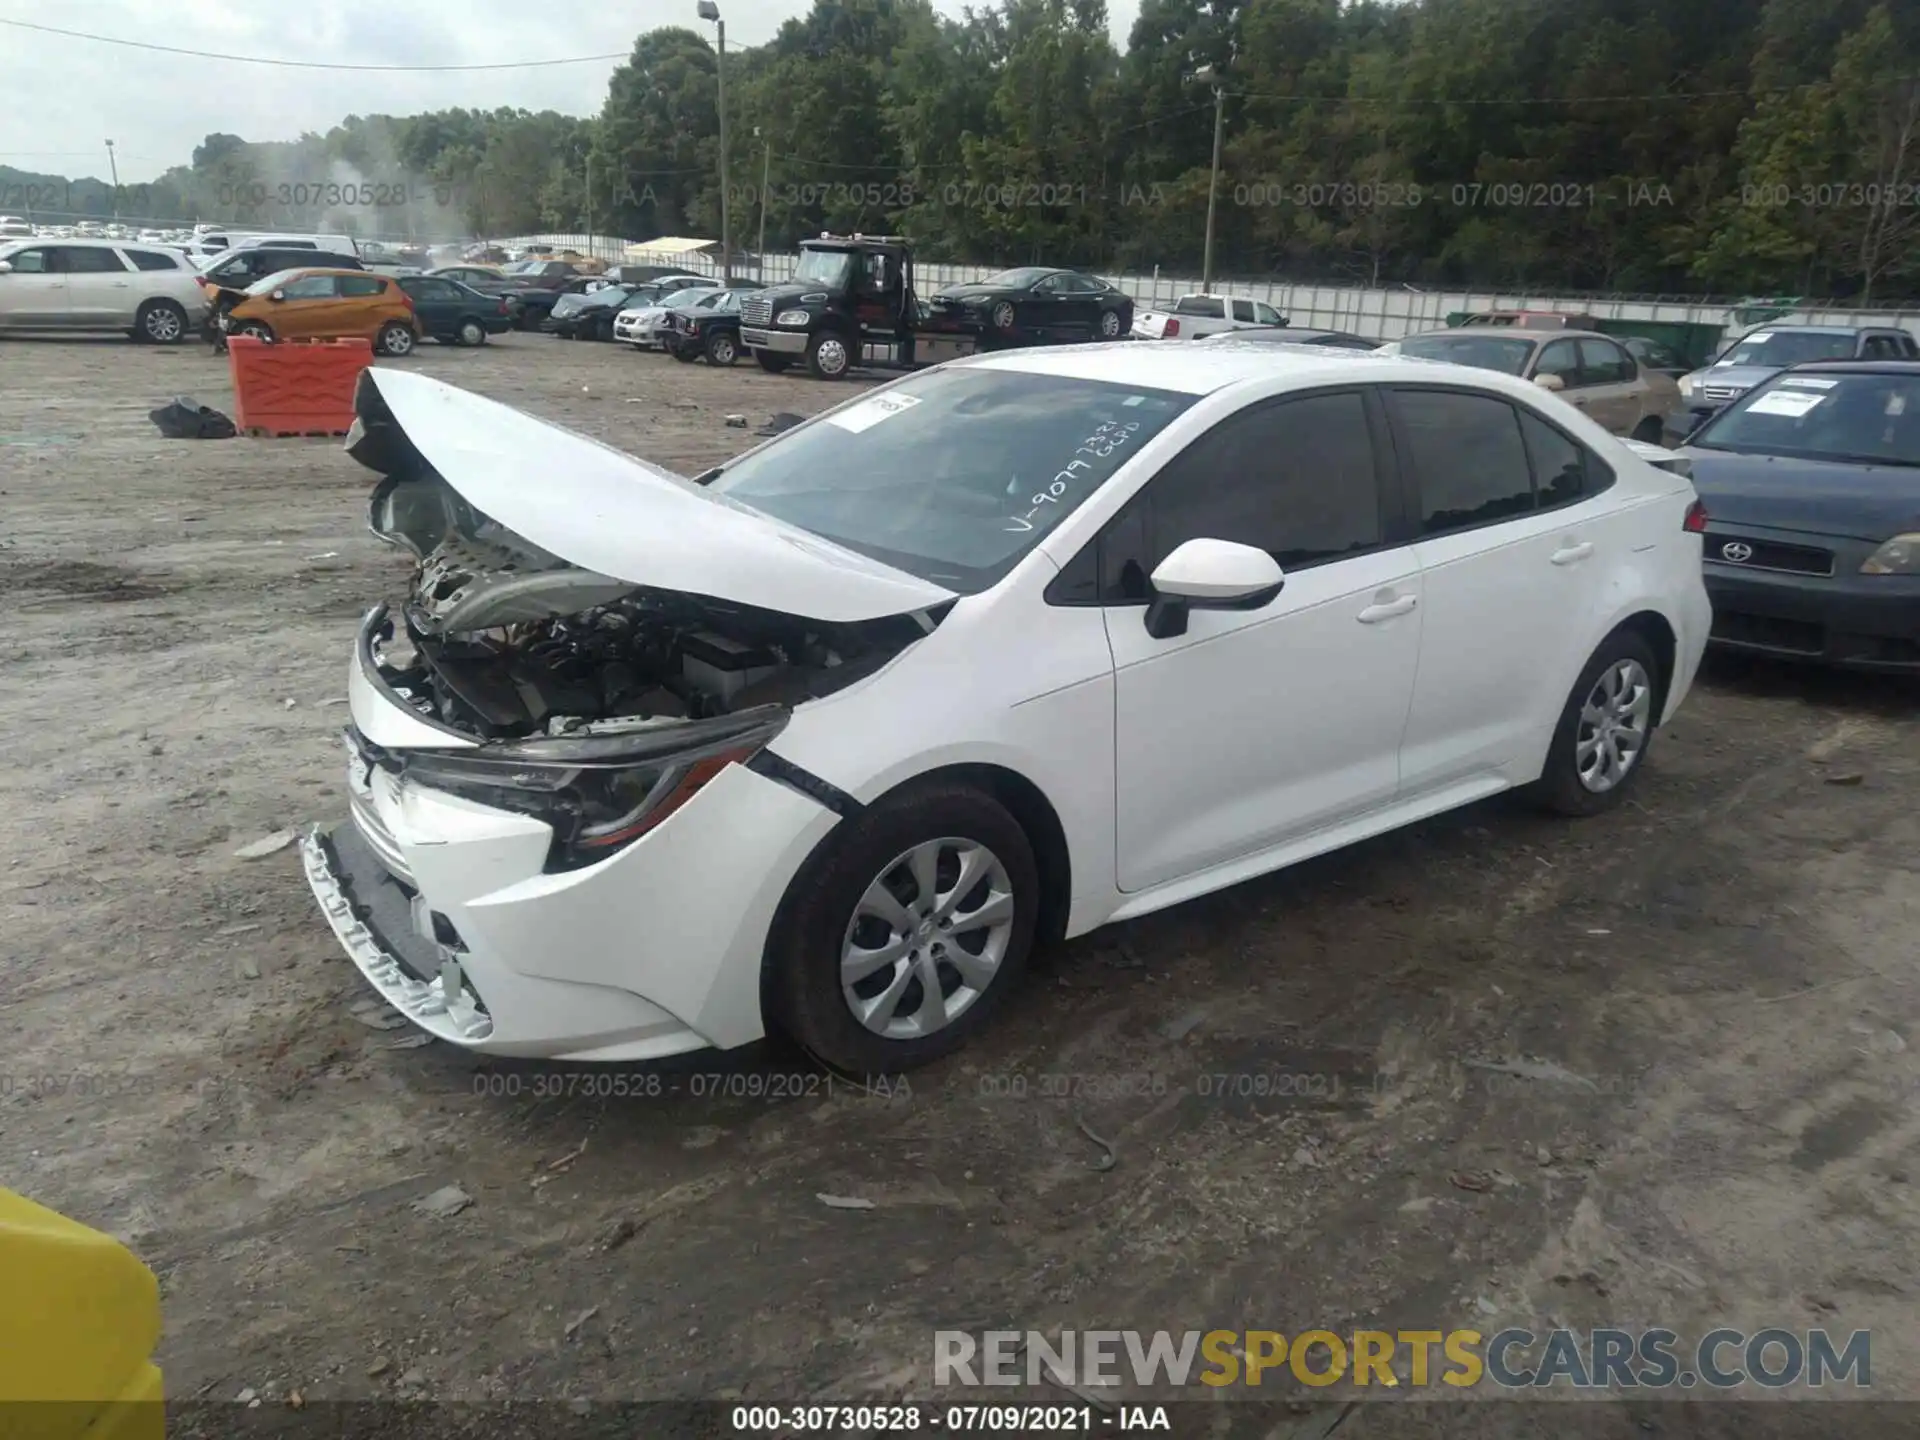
(1201, 370)
(1856, 367)
(1514, 332)
(1813, 329)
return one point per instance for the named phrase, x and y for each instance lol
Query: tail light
(1696, 521)
(503, 308)
(1173, 329)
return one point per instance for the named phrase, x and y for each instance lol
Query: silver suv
(1764, 352)
(147, 291)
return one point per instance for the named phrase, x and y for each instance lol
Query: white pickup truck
(1195, 315)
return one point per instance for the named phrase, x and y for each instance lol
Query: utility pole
(586, 164)
(114, 166)
(766, 169)
(1209, 75)
(710, 11)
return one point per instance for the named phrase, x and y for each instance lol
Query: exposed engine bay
(640, 659)
(511, 642)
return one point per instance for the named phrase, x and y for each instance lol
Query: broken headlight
(599, 792)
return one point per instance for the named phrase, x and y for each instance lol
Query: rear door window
(152, 260)
(361, 286)
(91, 260)
(1471, 461)
(1206, 307)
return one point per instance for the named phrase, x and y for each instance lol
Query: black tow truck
(851, 302)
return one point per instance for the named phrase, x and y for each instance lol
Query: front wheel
(827, 356)
(1601, 742)
(682, 353)
(723, 348)
(395, 339)
(905, 936)
(258, 329)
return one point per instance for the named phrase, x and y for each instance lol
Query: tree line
(1646, 146)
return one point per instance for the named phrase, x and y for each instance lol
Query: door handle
(1387, 609)
(1571, 554)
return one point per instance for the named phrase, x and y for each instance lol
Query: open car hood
(606, 512)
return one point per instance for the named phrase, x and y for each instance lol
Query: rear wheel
(1109, 324)
(1601, 742)
(472, 332)
(827, 356)
(771, 363)
(395, 339)
(904, 937)
(1650, 430)
(160, 322)
(723, 348)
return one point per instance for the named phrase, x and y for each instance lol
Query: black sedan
(1811, 487)
(534, 302)
(455, 314)
(1038, 305)
(588, 314)
(1291, 335)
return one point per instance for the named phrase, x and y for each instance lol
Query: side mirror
(6, 267)
(1550, 382)
(278, 295)
(1209, 575)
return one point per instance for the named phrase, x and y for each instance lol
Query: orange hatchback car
(328, 305)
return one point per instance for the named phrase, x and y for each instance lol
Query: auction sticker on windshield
(871, 411)
(1785, 402)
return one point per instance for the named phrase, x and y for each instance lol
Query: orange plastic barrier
(295, 387)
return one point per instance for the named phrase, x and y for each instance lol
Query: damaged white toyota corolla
(827, 739)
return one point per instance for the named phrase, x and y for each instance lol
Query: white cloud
(65, 97)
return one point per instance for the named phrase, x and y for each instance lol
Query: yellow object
(79, 1322)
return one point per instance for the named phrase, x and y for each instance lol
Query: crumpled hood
(612, 514)
(1818, 497)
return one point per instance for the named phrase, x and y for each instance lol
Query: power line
(309, 64)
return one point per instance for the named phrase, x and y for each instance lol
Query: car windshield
(1867, 418)
(1484, 352)
(952, 475)
(686, 299)
(525, 267)
(824, 267)
(1788, 347)
(1017, 279)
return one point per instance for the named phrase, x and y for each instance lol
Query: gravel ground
(1709, 993)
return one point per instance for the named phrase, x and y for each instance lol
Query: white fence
(1381, 314)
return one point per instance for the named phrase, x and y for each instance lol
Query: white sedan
(830, 738)
(646, 327)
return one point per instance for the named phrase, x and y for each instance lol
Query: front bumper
(1862, 622)
(780, 342)
(447, 908)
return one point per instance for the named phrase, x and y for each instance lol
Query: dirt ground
(1711, 992)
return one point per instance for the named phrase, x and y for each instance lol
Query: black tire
(1650, 430)
(471, 332)
(804, 951)
(395, 340)
(1110, 327)
(723, 348)
(259, 329)
(682, 353)
(1560, 787)
(829, 357)
(771, 363)
(160, 322)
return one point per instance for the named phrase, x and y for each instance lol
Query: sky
(64, 98)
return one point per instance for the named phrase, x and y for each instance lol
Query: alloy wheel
(164, 325)
(927, 938)
(832, 356)
(1110, 324)
(1614, 721)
